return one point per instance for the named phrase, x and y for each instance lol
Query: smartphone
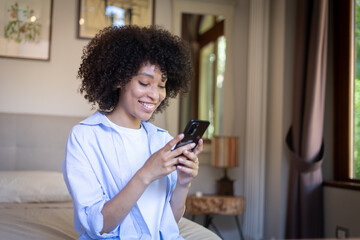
(193, 132)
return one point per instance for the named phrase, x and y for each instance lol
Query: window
(346, 35)
(355, 164)
(211, 77)
(205, 33)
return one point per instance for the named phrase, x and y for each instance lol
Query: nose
(154, 93)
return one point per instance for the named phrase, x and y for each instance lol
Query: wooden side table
(210, 205)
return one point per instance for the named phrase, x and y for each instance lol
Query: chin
(146, 117)
(150, 117)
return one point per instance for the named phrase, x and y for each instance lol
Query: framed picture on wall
(25, 29)
(94, 15)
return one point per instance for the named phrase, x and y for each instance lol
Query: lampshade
(224, 152)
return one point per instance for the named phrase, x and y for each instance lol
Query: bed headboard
(33, 142)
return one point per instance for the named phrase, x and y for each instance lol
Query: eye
(143, 84)
(162, 87)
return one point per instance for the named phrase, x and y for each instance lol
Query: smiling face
(141, 96)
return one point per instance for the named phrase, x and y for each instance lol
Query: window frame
(342, 37)
(210, 35)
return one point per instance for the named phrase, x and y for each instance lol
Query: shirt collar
(99, 118)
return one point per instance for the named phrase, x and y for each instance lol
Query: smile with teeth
(149, 106)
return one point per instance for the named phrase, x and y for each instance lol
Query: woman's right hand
(160, 164)
(164, 161)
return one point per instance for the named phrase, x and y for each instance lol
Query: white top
(152, 201)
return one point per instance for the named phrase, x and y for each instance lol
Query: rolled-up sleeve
(84, 186)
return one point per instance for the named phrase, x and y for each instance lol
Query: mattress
(48, 221)
(37, 205)
(54, 221)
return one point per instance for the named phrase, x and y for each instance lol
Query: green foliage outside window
(357, 95)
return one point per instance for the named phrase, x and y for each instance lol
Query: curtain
(305, 136)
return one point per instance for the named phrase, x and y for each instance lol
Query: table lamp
(224, 154)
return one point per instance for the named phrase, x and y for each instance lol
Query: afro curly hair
(116, 54)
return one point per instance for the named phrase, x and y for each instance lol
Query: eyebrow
(163, 76)
(146, 75)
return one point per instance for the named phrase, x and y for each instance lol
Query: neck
(119, 120)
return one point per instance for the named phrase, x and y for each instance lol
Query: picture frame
(25, 29)
(95, 15)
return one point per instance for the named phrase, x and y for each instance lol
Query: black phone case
(193, 132)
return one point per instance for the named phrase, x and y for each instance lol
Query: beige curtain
(305, 137)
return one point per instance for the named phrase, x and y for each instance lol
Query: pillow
(32, 186)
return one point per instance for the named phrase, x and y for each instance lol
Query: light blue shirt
(96, 169)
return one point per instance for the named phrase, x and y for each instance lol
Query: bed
(34, 201)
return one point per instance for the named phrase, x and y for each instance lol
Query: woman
(125, 177)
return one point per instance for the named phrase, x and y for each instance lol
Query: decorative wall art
(25, 29)
(95, 15)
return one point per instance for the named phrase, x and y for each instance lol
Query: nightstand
(210, 205)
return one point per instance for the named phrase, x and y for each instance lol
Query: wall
(341, 210)
(42, 87)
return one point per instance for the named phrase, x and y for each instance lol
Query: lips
(148, 106)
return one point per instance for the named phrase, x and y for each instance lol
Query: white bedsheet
(24, 221)
(54, 221)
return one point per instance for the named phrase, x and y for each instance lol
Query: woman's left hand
(188, 166)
